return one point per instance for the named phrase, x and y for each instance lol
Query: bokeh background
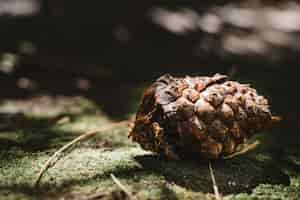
(71, 47)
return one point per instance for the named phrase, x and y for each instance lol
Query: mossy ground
(27, 140)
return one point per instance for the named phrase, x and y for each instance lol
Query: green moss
(85, 170)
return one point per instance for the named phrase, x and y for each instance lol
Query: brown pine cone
(206, 116)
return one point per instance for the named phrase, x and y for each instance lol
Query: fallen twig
(54, 158)
(215, 186)
(122, 187)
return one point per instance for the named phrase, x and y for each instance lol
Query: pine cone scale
(206, 116)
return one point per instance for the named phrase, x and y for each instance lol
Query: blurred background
(108, 52)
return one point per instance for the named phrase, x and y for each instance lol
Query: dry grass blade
(215, 186)
(244, 150)
(54, 158)
(122, 187)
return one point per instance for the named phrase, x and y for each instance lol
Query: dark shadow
(41, 134)
(233, 176)
(283, 145)
(32, 134)
(167, 193)
(286, 158)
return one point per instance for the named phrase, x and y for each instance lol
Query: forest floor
(34, 127)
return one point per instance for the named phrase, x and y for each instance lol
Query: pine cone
(205, 116)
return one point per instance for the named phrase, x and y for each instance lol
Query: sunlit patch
(240, 29)
(210, 23)
(244, 44)
(178, 22)
(26, 83)
(47, 106)
(8, 62)
(83, 84)
(19, 8)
